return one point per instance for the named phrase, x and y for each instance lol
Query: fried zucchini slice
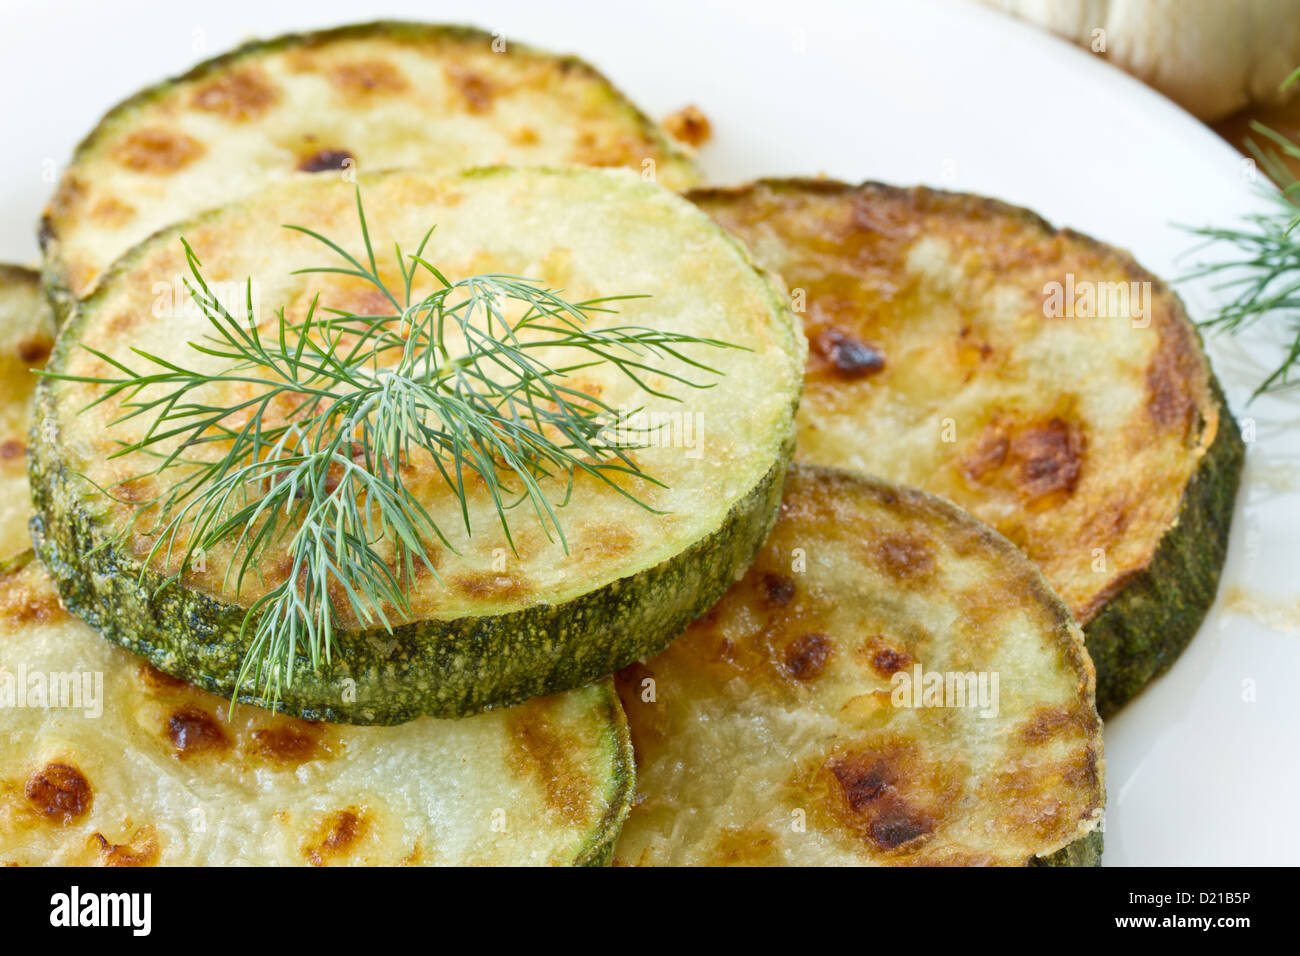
(953, 347)
(26, 337)
(492, 628)
(799, 721)
(364, 97)
(111, 762)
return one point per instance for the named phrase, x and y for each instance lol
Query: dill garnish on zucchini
(402, 494)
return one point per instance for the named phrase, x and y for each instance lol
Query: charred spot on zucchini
(495, 619)
(326, 160)
(922, 698)
(363, 97)
(1034, 376)
(26, 337)
(117, 764)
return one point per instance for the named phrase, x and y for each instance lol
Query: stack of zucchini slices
(504, 618)
(815, 666)
(130, 759)
(1042, 380)
(337, 103)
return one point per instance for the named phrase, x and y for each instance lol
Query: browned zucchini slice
(26, 337)
(110, 762)
(364, 97)
(491, 628)
(798, 722)
(1034, 376)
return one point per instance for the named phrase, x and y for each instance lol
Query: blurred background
(1225, 61)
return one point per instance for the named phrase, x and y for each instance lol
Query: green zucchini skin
(1141, 631)
(442, 668)
(1085, 851)
(599, 850)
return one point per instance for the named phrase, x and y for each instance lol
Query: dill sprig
(341, 407)
(1264, 276)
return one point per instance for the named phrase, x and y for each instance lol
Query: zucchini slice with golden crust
(1034, 376)
(26, 337)
(114, 763)
(491, 628)
(891, 683)
(363, 97)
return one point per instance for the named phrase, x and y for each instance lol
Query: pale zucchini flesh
(26, 337)
(358, 98)
(496, 628)
(944, 355)
(111, 762)
(774, 732)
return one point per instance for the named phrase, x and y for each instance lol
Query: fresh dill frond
(447, 381)
(1264, 274)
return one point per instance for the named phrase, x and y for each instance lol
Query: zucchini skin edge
(1085, 851)
(599, 849)
(1139, 633)
(441, 668)
(55, 281)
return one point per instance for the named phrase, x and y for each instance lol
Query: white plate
(1201, 767)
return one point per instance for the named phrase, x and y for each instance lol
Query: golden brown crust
(770, 732)
(136, 768)
(26, 337)
(689, 125)
(1073, 435)
(380, 95)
